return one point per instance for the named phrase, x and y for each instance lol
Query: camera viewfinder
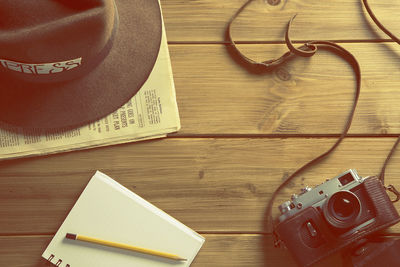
(347, 178)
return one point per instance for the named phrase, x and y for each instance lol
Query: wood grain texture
(304, 96)
(211, 185)
(205, 20)
(226, 250)
(242, 134)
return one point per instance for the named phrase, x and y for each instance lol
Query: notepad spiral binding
(58, 263)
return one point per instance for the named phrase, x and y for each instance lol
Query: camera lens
(342, 209)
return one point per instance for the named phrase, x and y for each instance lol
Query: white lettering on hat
(44, 68)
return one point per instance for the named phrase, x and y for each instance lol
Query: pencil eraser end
(71, 236)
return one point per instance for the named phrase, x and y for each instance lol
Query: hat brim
(102, 91)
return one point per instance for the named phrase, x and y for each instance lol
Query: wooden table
(241, 133)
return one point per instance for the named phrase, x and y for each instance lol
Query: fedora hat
(65, 63)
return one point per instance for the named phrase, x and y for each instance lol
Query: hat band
(42, 68)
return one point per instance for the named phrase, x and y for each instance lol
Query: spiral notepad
(110, 211)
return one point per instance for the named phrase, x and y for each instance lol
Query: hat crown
(54, 40)
(73, 103)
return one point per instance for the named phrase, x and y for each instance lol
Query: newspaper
(151, 113)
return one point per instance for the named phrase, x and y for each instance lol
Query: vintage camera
(325, 219)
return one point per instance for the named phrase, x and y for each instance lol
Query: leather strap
(397, 40)
(373, 17)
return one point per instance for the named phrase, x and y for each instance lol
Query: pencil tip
(70, 236)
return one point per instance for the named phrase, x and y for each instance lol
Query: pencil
(123, 246)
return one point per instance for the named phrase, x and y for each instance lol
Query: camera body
(325, 219)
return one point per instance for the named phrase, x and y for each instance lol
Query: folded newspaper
(151, 113)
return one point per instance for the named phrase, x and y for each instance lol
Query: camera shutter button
(285, 207)
(305, 190)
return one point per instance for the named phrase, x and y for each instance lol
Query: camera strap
(307, 50)
(390, 188)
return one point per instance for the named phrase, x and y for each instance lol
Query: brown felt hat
(65, 63)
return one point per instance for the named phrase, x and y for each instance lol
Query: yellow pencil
(123, 246)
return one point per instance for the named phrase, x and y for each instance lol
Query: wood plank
(208, 184)
(216, 96)
(205, 20)
(223, 250)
